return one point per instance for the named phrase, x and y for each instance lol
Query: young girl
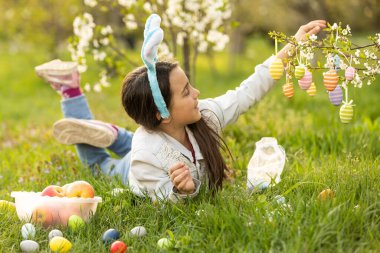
(177, 146)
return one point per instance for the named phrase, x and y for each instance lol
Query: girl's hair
(138, 102)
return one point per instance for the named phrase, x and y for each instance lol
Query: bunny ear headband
(153, 35)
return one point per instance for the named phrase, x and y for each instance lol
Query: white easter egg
(138, 231)
(54, 233)
(29, 246)
(28, 231)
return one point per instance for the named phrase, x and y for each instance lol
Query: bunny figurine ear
(153, 35)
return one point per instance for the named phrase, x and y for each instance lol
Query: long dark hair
(138, 102)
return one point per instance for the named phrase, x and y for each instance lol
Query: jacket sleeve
(230, 106)
(148, 176)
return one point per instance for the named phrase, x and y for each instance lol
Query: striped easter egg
(299, 72)
(346, 113)
(306, 80)
(288, 90)
(336, 96)
(349, 73)
(312, 91)
(276, 69)
(330, 79)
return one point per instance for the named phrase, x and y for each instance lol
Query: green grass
(321, 153)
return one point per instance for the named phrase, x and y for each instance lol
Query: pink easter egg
(306, 80)
(350, 73)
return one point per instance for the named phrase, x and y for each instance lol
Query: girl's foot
(92, 132)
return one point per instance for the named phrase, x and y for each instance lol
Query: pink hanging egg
(336, 96)
(349, 73)
(330, 79)
(288, 90)
(306, 80)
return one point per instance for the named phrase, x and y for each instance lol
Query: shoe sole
(72, 131)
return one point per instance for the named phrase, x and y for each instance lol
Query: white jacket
(154, 152)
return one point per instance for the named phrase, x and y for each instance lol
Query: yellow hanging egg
(288, 90)
(346, 113)
(312, 91)
(276, 69)
(60, 244)
(299, 72)
(330, 80)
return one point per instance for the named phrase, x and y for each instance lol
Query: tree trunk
(186, 57)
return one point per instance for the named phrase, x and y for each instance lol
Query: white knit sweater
(154, 152)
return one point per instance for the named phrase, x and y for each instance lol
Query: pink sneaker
(92, 132)
(59, 73)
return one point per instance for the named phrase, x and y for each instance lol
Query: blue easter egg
(337, 61)
(110, 235)
(336, 96)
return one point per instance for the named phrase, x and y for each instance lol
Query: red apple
(52, 191)
(118, 247)
(80, 189)
(42, 215)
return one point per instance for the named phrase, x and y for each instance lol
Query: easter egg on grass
(54, 233)
(75, 222)
(110, 235)
(138, 231)
(60, 244)
(312, 91)
(276, 69)
(306, 80)
(28, 231)
(299, 72)
(336, 96)
(29, 246)
(164, 243)
(288, 90)
(349, 73)
(326, 194)
(7, 206)
(346, 113)
(330, 79)
(118, 247)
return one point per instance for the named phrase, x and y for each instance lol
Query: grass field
(321, 153)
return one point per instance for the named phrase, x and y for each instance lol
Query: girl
(177, 146)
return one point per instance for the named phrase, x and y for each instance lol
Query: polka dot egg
(288, 90)
(346, 113)
(330, 80)
(336, 96)
(349, 73)
(299, 72)
(276, 69)
(312, 91)
(306, 80)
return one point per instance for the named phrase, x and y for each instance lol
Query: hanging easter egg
(110, 235)
(299, 72)
(312, 91)
(346, 113)
(288, 90)
(306, 80)
(350, 73)
(29, 246)
(276, 69)
(60, 244)
(28, 231)
(337, 61)
(336, 96)
(330, 79)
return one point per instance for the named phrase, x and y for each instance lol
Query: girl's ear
(164, 121)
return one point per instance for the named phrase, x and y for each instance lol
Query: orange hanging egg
(288, 90)
(276, 69)
(312, 91)
(330, 80)
(346, 113)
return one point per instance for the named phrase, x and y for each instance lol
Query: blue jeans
(77, 107)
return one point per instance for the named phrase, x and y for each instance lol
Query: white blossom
(103, 79)
(106, 30)
(334, 26)
(91, 3)
(130, 22)
(97, 87)
(313, 37)
(127, 3)
(98, 55)
(87, 87)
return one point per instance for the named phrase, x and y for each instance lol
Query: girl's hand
(310, 28)
(180, 176)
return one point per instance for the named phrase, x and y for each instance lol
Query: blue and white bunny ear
(153, 35)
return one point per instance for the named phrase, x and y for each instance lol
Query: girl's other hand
(181, 177)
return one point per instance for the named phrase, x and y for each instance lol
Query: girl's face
(184, 103)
